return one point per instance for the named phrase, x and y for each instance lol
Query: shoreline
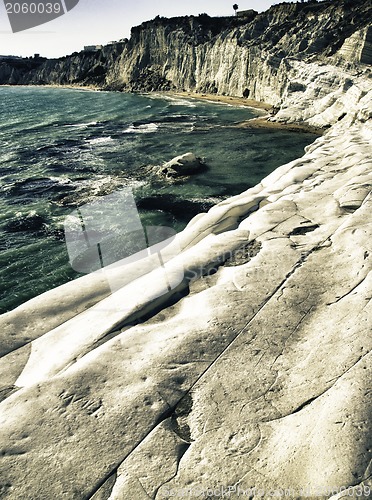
(225, 99)
(264, 123)
(261, 122)
(55, 86)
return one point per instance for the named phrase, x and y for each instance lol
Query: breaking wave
(148, 128)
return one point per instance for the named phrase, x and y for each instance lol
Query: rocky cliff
(252, 377)
(252, 59)
(220, 55)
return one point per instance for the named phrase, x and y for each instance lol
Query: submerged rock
(174, 205)
(29, 222)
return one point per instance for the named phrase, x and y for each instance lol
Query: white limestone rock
(253, 372)
(256, 378)
(181, 166)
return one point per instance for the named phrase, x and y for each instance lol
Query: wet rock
(183, 165)
(41, 187)
(172, 204)
(29, 222)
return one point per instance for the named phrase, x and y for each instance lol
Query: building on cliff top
(92, 48)
(246, 13)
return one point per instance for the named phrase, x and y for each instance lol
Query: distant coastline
(262, 122)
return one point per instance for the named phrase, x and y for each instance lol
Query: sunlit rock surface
(241, 365)
(254, 376)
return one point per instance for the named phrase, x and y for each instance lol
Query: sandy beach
(255, 123)
(225, 99)
(264, 122)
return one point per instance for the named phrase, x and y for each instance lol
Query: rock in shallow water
(29, 222)
(170, 203)
(183, 165)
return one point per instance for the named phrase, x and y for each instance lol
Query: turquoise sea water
(62, 148)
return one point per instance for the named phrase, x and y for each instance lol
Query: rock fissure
(305, 315)
(314, 398)
(173, 477)
(334, 380)
(168, 413)
(349, 292)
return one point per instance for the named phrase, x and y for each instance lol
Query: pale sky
(94, 22)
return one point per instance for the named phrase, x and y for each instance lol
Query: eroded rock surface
(254, 372)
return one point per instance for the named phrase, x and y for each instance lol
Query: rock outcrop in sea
(181, 166)
(252, 376)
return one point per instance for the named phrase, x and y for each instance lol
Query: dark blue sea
(64, 148)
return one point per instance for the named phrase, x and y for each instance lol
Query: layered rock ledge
(251, 374)
(255, 375)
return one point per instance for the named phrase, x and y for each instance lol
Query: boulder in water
(183, 165)
(178, 207)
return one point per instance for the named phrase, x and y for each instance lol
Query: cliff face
(358, 47)
(221, 55)
(14, 70)
(84, 68)
(254, 56)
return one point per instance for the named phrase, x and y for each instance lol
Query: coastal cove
(233, 358)
(56, 156)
